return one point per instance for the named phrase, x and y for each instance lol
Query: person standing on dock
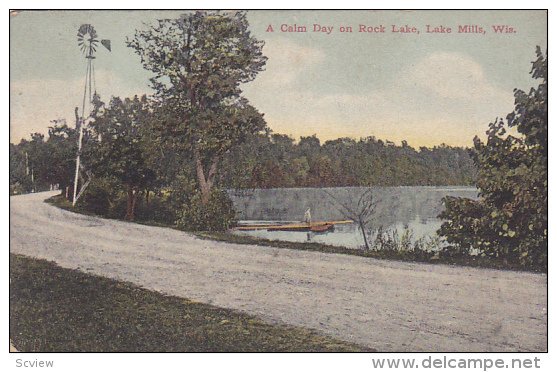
(307, 216)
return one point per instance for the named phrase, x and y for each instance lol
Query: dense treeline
(276, 160)
(39, 164)
(267, 160)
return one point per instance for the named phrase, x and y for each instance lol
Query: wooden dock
(318, 226)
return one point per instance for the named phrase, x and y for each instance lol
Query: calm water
(414, 206)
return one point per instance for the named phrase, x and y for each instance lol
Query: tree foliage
(119, 147)
(61, 149)
(199, 61)
(37, 164)
(510, 219)
(276, 160)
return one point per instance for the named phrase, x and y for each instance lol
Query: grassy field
(423, 256)
(63, 310)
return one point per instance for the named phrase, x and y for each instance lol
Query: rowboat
(322, 228)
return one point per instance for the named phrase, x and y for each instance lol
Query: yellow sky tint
(425, 89)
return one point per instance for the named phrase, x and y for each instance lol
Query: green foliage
(198, 62)
(217, 214)
(119, 147)
(61, 149)
(156, 209)
(393, 240)
(510, 219)
(121, 150)
(179, 193)
(38, 163)
(465, 225)
(20, 182)
(104, 197)
(100, 197)
(275, 160)
(199, 59)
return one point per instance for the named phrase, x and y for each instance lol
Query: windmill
(88, 42)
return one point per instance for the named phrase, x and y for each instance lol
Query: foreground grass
(57, 309)
(422, 256)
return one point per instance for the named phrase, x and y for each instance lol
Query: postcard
(279, 181)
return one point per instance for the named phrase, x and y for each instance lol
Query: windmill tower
(88, 42)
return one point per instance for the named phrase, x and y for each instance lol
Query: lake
(415, 207)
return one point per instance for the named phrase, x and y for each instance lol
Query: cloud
(453, 76)
(444, 97)
(287, 61)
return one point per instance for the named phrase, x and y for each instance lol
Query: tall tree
(121, 149)
(199, 61)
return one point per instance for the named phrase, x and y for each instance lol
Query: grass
(394, 255)
(405, 255)
(53, 309)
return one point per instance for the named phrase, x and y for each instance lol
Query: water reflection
(397, 207)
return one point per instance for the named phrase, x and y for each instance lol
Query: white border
(236, 362)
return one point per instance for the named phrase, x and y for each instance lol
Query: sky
(425, 88)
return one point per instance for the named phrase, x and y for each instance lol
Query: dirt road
(387, 305)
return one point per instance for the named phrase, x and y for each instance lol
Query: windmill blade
(106, 44)
(84, 28)
(87, 39)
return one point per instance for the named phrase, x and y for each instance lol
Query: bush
(118, 206)
(464, 226)
(179, 194)
(99, 196)
(509, 221)
(472, 225)
(105, 197)
(217, 215)
(156, 209)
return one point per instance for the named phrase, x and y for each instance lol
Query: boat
(322, 228)
(318, 226)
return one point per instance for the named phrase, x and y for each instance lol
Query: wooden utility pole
(79, 123)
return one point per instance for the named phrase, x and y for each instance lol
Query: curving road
(387, 305)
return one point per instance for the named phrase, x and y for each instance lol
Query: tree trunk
(130, 205)
(364, 234)
(205, 181)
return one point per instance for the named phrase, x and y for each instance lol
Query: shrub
(393, 240)
(217, 214)
(509, 221)
(99, 196)
(156, 209)
(464, 226)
